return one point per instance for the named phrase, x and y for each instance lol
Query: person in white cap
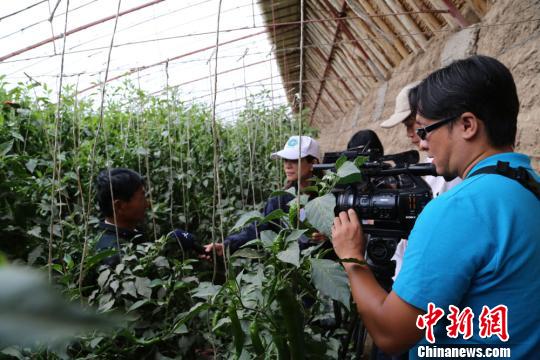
(405, 113)
(305, 148)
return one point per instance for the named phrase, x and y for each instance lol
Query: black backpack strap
(519, 174)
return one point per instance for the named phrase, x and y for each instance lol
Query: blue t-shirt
(479, 244)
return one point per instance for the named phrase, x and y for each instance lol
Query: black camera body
(388, 200)
(392, 197)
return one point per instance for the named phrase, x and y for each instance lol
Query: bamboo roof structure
(351, 46)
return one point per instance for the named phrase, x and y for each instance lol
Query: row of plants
(267, 300)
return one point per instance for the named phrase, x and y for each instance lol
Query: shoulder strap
(519, 174)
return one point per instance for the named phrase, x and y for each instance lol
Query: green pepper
(293, 213)
(238, 333)
(255, 338)
(283, 352)
(293, 318)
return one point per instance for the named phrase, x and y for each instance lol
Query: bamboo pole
(397, 42)
(428, 18)
(449, 19)
(409, 24)
(398, 26)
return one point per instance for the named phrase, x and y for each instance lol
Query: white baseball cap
(290, 151)
(402, 109)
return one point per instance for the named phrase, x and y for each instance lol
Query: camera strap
(519, 174)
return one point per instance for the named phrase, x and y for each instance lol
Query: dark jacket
(108, 240)
(235, 241)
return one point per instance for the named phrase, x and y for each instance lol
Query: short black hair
(125, 183)
(479, 84)
(368, 139)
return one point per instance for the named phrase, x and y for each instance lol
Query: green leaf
(294, 235)
(35, 254)
(103, 277)
(247, 218)
(143, 286)
(320, 213)
(181, 329)
(291, 255)
(348, 173)
(31, 165)
(161, 261)
(17, 136)
(268, 237)
(310, 189)
(6, 147)
(361, 160)
(331, 280)
(11, 351)
(128, 288)
(32, 311)
(3, 259)
(303, 200)
(35, 231)
(221, 322)
(206, 290)
(247, 253)
(95, 342)
(98, 258)
(340, 161)
(274, 215)
(186, 316)
(138, 304)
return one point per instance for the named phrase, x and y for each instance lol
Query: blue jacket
(108, 240)
(235, 241)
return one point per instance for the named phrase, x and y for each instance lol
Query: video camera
(388, 198)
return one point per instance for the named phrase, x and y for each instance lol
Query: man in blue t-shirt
(469, 281)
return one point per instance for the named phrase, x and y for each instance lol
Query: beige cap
(402, 109)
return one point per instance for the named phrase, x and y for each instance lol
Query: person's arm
(390, 321)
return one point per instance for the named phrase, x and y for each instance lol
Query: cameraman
(405, 113)
(475, 246)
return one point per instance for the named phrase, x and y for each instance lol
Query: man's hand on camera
(347, 236)
(208, 251)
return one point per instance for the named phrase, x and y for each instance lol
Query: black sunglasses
(422, 132)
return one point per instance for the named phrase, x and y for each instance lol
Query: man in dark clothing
(124, 209)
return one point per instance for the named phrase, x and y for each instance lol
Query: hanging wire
(251, 149)
(217, 184)
(44, 20)
(169, 141)
(56, 175)
(300, 110)
(92, 162)
(21, 10)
